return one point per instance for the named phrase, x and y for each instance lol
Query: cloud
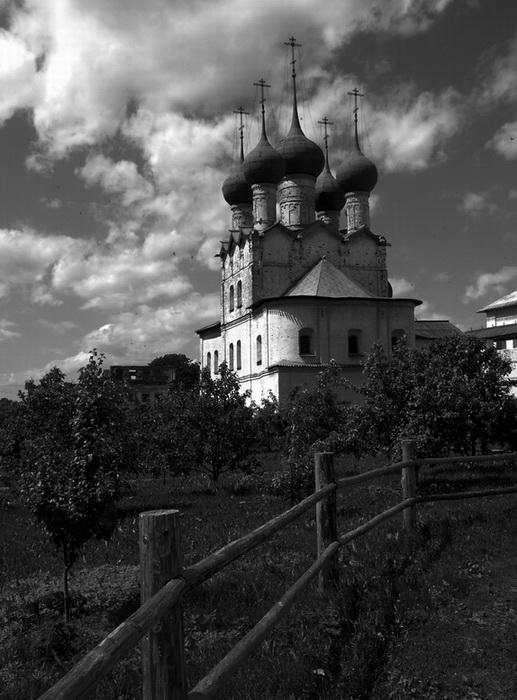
(96, 58)
(401, 287)
(59, 328)
(26, 258)
(408, 131)
(491, 283)
(117, 273)
(6, 331)
(504, 141)
(17, 75)
(149, 332)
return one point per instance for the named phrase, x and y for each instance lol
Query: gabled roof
(508, 300)
(325, 280)
(435, 329)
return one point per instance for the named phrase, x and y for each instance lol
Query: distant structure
(296, 291)
(427, 331)
(501, 330)
(141, 381)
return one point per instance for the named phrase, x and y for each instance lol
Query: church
(296, 291)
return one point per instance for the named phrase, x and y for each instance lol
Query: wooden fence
(164, 582)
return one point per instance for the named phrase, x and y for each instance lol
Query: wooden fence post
(163, 651)
(409, 485)
(326, 520)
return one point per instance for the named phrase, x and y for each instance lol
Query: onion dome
(301, 155)
(236, 189)
(357, 173)
(263, 164)
(329, 195)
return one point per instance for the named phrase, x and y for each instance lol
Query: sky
(117, 130)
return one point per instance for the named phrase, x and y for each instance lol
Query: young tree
(222, 423)
(313, 418)
(73, 456)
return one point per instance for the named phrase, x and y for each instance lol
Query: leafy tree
(222, 423)
(177, 368)
(313, 418)
(73, 456)
(449, 396)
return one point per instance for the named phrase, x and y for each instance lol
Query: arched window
(232, 298)
(259, 349)
(305, 341)
(230, 363)
(216, 362)
(239, 294)
(239, 357)
(354, 341)
(209, 361)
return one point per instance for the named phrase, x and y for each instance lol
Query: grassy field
(359, 644)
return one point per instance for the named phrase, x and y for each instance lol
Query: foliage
(177, 368)
(222, 422)
(269, 424)
(71, 458)
(311, 416)
(450, 396)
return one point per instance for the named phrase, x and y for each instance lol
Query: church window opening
(216, 362)
(239, 294)
(230, 358)
(354, 344)
(232, 298)
(259, 349)
(239, 355)
(209, 361)
(305, 341)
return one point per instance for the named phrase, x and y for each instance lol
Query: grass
(349, 646)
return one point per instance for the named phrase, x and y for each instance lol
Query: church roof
(508, 300)
(436, 329)
(325, 280)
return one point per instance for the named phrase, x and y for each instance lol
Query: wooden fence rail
(164, 582)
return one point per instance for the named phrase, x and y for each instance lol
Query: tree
(449, 396)
(313, 418)
(222, 423)
(72, 457)
(178, 369)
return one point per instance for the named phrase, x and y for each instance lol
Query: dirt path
(466, 649)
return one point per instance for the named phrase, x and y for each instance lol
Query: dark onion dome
(236, 189)
(263, 164)
(301, 155)
(329, 195)
(357, 173)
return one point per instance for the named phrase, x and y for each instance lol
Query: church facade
(296, 291)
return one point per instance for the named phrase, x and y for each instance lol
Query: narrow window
(239, 359)
(231, 356)
(239, 294)
(353, 344)
(209, 361)
(500, 344)
(305, 341)
(259, 350)
(232, 298)
(514, 343)
(216, 362)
